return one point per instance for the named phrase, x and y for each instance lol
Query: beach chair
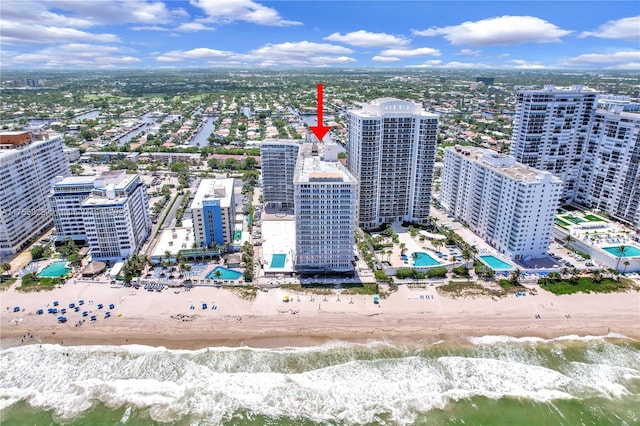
(93, 318)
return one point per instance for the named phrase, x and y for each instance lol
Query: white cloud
(522, 64)
(34, 33)
(73, 55)
(410, 53)
(469, 52)
(60, 21)
(617, 60)
(201, 53)
(455, 64)
(625, 29)
(227, 11)
(300, 49)
(427, 64)
(303, 53)
(379, 58)
(189, 27)
(150, 28)
(499, 31)
(364, 38)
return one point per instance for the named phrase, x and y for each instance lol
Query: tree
(514, 278)
(625, 263)
(76, 169)
(250, 163)
(217, 274)
(621, 250)
(437, 244)
(597, 276)
(68, 247)
(467, 255)
(403, 248)
(37, 252)
(5, 267)
(568, 239)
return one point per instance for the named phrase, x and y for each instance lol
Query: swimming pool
(55, 270)
(278, 260)
(494, 263)
(225, 274)
(629, 251)
(423, 259)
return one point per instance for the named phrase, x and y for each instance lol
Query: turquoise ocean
(492, 380)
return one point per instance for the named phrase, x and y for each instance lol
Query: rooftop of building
(173, 240)
(283, 142)
(318, 162)
(391, 106)
(550, 88)
(214, 189)
(504, 164)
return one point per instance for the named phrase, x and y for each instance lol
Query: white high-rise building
(28, 168)
(391, 153)
(325, 209)
(278, 164)
(66, 207)
(116, 216)
(550, 131)
(509, 205)
(213, 210)
(610, 179)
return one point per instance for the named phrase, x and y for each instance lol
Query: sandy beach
(408, 315)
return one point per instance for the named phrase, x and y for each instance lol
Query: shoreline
(177, 321)
(390, 329)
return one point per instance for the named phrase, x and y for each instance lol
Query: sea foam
(348, 384)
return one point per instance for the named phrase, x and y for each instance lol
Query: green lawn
(562, 222)
(586, 285)
(593, 218)
(572, 219)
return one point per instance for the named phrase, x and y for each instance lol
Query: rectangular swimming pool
(629, 251)
(278, 260)
(423, 259)
(494, 263)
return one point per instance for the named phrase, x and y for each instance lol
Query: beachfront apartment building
(28, 166)
(113, 217)
(65, 202)
(610, 180)
(278, 163)
(508, 204)
(213, 210)
(550, 131)
(391, 153)
(325, 211)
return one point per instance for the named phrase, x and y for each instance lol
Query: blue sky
(68, 34)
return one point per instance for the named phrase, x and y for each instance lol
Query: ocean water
(492, 380)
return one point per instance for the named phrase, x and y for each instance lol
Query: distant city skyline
(267, 34)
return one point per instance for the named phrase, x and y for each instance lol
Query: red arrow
(320, 130)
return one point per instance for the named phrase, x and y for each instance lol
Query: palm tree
(621, 250)
(514, 279)
(403, 248)
(467, 256)
(625, 263)
(217, 274)
(597, 276)
(568, 239)
(437, 244)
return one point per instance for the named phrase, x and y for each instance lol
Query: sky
(254, 34)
